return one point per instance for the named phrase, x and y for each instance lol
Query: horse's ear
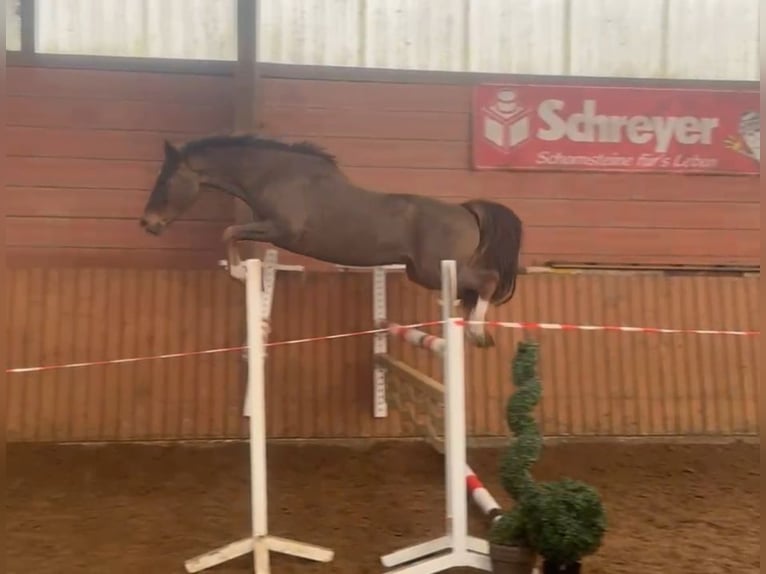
(171, 152)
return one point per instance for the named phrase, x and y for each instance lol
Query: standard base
(262, 546)
(438, 555)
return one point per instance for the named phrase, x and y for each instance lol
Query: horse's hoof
(481, 340)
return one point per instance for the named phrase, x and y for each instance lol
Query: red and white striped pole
(481, 497)
(417, 337)
(476, 489)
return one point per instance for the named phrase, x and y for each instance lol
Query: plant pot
(556, 568)
(511, 559)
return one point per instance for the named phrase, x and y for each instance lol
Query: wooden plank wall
(85, 146)
(416, 138)
(88, 284)
(595, 384)
(83, 150)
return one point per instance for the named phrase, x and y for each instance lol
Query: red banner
(599, 128)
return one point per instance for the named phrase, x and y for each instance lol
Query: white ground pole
(260, 542)
(456, 549)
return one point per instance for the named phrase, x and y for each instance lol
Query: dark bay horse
(302, 202)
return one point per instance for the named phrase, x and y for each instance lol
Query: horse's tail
(500, 231)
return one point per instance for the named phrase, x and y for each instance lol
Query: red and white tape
(206, 351)
(619, 328)
(430, 341)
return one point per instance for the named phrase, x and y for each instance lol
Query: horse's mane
(221, 141)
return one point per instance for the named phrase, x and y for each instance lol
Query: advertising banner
(604, 128)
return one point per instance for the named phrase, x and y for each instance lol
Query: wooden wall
(416, 138)
(88, 284)
(83, 149)
(85, 146)
(595, 384)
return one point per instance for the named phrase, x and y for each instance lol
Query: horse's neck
(237, 176)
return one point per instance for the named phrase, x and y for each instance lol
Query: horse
(303, 203)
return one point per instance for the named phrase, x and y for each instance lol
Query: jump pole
(269, 270)
(260, 542)
(481, 497)
(456, 549)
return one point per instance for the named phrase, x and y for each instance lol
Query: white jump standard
(456, 549)
(260, 542)
(427, 386)
(383, 391)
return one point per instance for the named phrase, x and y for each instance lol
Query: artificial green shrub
(515, 477)
(563, 520)
(509, 529)
(525, 450)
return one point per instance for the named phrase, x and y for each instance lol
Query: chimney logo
(506, 123)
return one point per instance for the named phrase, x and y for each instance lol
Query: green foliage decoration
(562, 521)
(510, 529)
(525, 450)
(565, 521)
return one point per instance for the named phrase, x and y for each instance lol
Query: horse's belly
(345, 245)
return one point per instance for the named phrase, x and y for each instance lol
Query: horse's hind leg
(475, 288)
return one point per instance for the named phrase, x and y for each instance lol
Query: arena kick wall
(87, 284)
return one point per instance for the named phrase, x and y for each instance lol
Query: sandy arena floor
(145, 509)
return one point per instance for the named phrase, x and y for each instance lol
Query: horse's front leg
(234, 262)
(265, 231)
(254, 231)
